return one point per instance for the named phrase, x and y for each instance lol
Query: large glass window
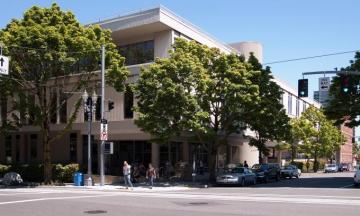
(33, 146)
(73, 147)
(138, 53)
(128, 103)
(8, 148)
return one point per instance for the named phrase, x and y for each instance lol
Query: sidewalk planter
(78, 179)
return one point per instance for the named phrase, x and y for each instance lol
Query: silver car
(239, 176)
(290, 171)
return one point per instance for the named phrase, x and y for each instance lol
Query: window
(138, 53)
(128, 103)
(73, 147)
(297, 107)
(63, 108)
(33, 146)
(289, 104)
(17, 144)
(53, 106)
(8, 148)
(3, 108)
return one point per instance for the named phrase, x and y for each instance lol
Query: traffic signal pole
(102, 173)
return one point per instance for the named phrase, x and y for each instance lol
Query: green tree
(317, 135)
(198, 90)
(267, 118)
(50, 49)
(344, 107)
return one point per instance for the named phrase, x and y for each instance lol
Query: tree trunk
(47, 154)
(316, 166)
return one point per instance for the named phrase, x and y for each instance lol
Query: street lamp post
(89, 108)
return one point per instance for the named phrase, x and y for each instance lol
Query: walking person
(246, 165)
(127, 175)
(151, 175)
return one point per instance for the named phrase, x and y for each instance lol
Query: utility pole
(102, 175)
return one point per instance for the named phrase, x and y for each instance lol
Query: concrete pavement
(278, 198)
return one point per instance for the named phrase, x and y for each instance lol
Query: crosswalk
(43, 194)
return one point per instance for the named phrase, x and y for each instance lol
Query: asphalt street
(312, 194)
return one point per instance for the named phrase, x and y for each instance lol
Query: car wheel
(266, 179)
(356, 184)
(254, 181)
(242, 182)
(277, 178)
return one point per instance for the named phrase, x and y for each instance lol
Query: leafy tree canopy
(46, 46)
(345, 107)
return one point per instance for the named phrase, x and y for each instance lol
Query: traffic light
(110, 105)
(303, 88)
(345, 84)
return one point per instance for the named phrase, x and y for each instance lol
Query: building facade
(141, 38)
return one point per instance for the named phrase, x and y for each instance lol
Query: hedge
(35, 172)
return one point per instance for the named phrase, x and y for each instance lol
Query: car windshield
(234, 170)
(331, 165)
(288, 167)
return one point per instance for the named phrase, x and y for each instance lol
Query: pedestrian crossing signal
(303, 88)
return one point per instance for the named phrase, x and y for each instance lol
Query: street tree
(50, 49)
(317, 135)
(345, 107)
(197, 90)
(267, 118)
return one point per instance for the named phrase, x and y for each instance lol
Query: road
(313, 194)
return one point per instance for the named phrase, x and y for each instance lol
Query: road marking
(55, 198)
(269, 198)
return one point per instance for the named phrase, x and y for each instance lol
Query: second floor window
(290, 104)
(128, 103)
(138, 53)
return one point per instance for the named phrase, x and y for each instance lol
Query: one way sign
(4, 65)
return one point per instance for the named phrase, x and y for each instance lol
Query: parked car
(290, 171)
(238, 175)
(357, 178)
(344, 167)
(331, 168)
(267, 171)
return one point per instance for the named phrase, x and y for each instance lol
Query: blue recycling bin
(78, 179)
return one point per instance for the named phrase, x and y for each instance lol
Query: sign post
(103, 130)
(4, 65)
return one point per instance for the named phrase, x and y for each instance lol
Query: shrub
(64, 173)
(4, 169)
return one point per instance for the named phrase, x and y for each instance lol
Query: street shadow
(313, 182)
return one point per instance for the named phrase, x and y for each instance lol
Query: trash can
(78, 179)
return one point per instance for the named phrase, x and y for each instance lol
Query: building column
(185, 152)
(155, 154)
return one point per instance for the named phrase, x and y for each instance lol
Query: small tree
(50, 49)
(318, 136)
(198, 90)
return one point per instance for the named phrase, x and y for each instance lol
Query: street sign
(103, 131)
(108, 147)
(4, 65)
(324, 84)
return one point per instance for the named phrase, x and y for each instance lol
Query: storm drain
(198, 203)
(95, 212)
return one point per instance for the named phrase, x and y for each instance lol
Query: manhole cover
(95, 212)
(198, 203)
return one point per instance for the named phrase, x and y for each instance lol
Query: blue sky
(287, 29)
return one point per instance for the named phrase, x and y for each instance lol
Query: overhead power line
(311, 57)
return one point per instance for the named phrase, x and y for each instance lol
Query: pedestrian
(151, 175)
(127, 175)
(246, 165)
